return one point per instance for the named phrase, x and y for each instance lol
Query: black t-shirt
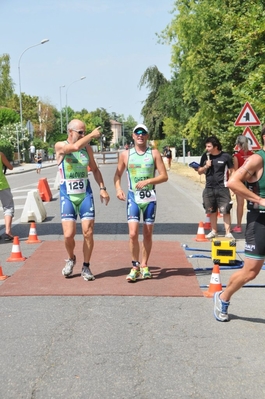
(217, 175)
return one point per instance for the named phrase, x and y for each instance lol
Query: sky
(110, 42)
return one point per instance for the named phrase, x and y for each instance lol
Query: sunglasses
(142, 132)
(79, 131)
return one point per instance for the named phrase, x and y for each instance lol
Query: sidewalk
(26, 167)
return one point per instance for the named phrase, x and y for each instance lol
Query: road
(129, 347)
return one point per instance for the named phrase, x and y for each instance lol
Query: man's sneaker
(211, 235)
(86, 274)
(220, 307)
(145, 272)
(68, 268)
(229, 235)
(133, 275)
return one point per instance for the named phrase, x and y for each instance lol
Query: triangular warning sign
(247, 117)
(253, 142)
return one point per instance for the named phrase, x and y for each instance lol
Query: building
(116, 128)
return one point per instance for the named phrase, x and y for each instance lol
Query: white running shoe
(68, 268)
(86, 274)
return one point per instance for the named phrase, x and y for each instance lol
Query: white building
(116, 128)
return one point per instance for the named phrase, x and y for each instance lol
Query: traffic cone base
(33, 238)
(200, 233)
(207, 224)
(16, 255)
(215, 283)
(2, 277)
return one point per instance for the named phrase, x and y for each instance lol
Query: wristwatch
(103, 188)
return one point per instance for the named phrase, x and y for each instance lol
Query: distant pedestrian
(168, 155)
(239, 159)
(32, 150)
(38, 160)
(6, 197)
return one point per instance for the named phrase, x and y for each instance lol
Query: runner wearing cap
(141, 164)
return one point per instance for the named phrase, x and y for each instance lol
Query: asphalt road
(130, 347)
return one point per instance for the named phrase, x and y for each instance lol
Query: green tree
(6, 83)
(8, 116)
(218, 55)
(154, 110)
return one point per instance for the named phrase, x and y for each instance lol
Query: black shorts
(217, 198)
(255, 234)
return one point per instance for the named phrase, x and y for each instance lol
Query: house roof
(115, 122)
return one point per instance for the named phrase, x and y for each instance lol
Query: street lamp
(83, 77)
(61, 109)
(19, 81)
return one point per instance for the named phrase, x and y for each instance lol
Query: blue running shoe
(220, 307)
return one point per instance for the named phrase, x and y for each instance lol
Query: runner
(73, 156)
(141, 163)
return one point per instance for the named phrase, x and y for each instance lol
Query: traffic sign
(253, 143)
(247, 117)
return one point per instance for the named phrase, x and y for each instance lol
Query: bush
(7, 149)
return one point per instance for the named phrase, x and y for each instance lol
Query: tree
(8, 116)
(6, 83)
(154, 110)
(218, 57)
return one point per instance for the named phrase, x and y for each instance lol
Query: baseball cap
(140, 126)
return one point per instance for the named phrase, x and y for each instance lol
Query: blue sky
(111, 42)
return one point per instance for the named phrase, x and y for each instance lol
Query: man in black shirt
(217, 166)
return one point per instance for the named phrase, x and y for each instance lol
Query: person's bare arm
(123, 159)
(6, 161)
(62, 148)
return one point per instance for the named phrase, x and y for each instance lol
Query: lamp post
(61, 109)
(83, 77)
(19, 81)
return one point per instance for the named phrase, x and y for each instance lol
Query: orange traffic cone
(33, 238)
(16, 255)
(2, 277)
(207, 224)
(200, 233)
(44, 190)
(215, 282)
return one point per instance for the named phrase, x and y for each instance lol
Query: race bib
(76, 186)
(144, 196)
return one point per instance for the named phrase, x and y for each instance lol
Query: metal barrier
(107, 157)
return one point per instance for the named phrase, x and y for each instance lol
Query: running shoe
(86, 274)
(237, 229)
(68, 268)
(145, 272)
(133, 275)
(229, 235)
(211, 235)
(220, 307)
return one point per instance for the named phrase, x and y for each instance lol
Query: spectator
(168, 155)
(239, 159)
(217, 166)
(6, 197)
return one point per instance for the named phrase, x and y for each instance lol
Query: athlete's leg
(88, 243)
(147, 243)
(134, 240)
(249, 271)
(69, 231)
